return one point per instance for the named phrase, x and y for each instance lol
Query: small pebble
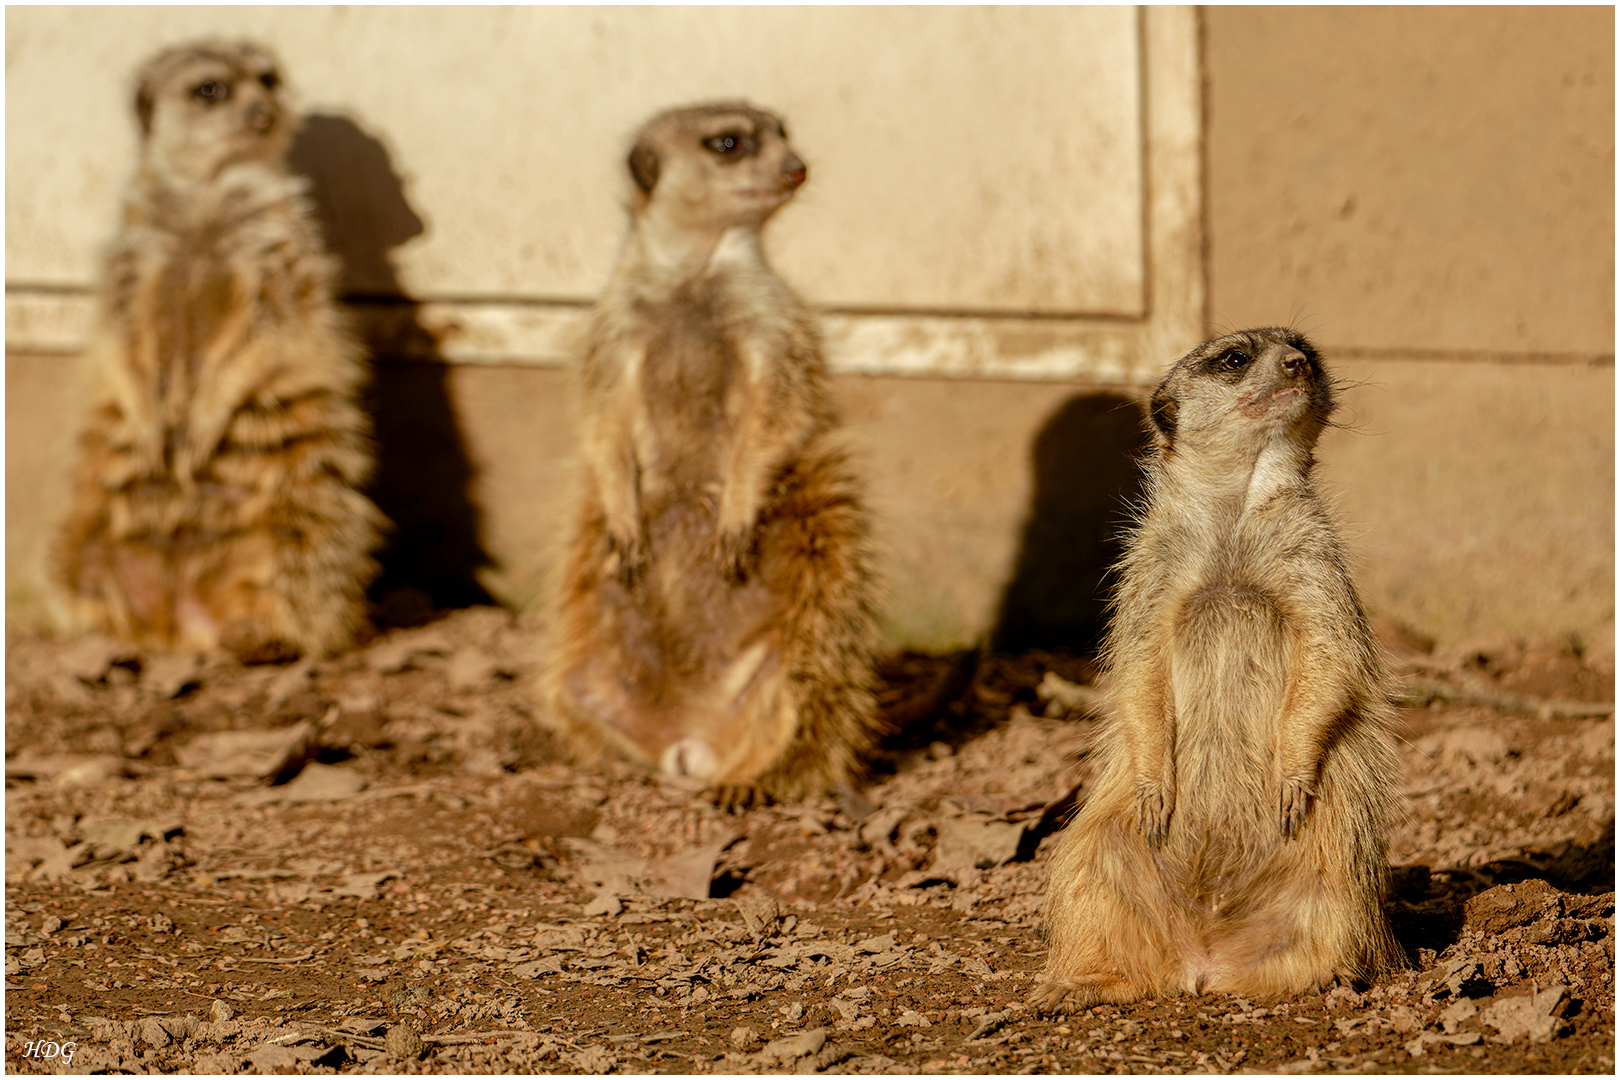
(219, 1012)
(403, 1042)
(744, 1037)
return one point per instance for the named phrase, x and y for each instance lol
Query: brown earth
(379, 864)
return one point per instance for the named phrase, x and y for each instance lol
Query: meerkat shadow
(1087, 476)
(1427, 907)
(423, 483)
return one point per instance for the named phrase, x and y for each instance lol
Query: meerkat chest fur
(1224, 563)
(709, 343)
(721, 347)
(1230, 624)
(197, 273)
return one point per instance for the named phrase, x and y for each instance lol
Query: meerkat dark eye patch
(1230, 363)
(1162, 410)
(269, 80)
(730, 144)
(211, 92)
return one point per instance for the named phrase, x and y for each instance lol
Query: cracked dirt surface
(379, 864)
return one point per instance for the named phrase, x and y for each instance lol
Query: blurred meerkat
(1236, 838)
(216, 500)
(715, 616)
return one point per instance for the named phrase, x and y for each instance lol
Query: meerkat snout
(260, 116)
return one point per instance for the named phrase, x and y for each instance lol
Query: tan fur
(216, 498)
(715, 616)
(1235, 840)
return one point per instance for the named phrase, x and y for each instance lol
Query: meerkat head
(714, 167)
(1245, 389)
(203, 107)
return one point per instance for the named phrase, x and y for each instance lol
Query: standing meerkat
(216, 500)
(1236, 838)
(715, 616)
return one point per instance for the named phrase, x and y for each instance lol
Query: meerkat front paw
(1293, 803)
(627, 558)
(1154, 803)
(735, 553)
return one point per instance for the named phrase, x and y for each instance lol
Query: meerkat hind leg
(1288, 938)
(140, 577)
(1118, 930)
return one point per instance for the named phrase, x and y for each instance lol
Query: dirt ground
(379, 864)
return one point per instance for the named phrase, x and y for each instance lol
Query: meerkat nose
(1294, 363)
(260, 117)
(794, 171)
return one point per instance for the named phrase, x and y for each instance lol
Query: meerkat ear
(644, 167)
(1162, 410)
(144, 104)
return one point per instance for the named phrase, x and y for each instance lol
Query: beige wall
(1415, 179)
(1429, 192)
(474, 158)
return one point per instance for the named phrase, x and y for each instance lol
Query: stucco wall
(1428, 192)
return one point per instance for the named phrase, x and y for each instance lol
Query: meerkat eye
(270, 80)
(211, 92)
(1233, 360)
(730, 144)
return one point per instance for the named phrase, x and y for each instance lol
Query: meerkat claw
(736, 798)
(628, 560)
(734, 554)
(1153, 807)
(1293, 803)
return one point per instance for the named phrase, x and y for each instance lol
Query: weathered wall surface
(1415, 180)
(1428, 192)
(473, 159)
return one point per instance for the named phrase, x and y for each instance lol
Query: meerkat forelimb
(715, 615)
(1236, 838)
(217, 494)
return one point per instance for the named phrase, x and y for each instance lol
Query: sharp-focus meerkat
(217, 494)
(1236, 837)
(715, 617)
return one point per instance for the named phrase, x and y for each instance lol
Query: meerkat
(715, 615)
(217, 495)
(1236, 838)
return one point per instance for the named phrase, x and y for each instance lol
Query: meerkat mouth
(1259, 406)
(782, 193)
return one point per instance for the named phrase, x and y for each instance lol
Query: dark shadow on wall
(424, 478)
(1087, 478)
